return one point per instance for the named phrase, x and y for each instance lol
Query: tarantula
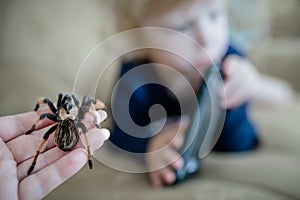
(68, 115)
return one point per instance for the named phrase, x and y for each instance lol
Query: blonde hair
(129, 13)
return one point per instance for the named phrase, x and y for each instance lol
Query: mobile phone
(206, 124)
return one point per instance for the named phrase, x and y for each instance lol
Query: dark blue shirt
(238, 133)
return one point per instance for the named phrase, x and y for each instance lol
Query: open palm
(53, 167)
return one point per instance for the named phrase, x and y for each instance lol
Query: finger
(102, 114)
(8, 178)
(161, 159)
(15, 125)
(97, 137)
(177, 141)
(174, 134)
(155, 179)
(88, 120)
(177, 164)
(236, 99)
(230, 68)
(230, 64)
(165, 176)
(45, 159)
(168, 176)
(5, 153)
(171, 157)
(231, 86)
(38, 185)
(25, 146)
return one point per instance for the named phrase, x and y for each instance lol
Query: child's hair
(129, 13)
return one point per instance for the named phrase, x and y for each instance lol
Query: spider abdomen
(66, 135)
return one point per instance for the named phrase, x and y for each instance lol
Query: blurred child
(204, 21)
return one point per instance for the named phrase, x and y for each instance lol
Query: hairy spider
(68, 115)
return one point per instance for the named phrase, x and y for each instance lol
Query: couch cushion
(106, 183)
(269, 172)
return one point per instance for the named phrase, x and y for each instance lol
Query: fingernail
(170, 177)
(103, 115)
(105, 133)
(178, 163)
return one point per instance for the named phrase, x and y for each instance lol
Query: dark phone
(205, 126)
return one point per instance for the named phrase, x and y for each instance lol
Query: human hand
(54, 166)
(163, 158)
(242, 81)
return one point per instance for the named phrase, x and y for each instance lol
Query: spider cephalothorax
(69, 115)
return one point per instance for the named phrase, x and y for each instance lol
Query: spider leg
(40, 148)
(84, 130)
(42, 116)
(45, 101)
(86, 100)
(85, 107)
(59, 99)
(88, 106)
(75, 100)
(66, 97)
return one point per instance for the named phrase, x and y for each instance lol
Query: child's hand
(242, 81)
(165, 157)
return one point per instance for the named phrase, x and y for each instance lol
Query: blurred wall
(44, 33)
(285, 17)
(43, 43)
(47, 33)
(253, 21)
(250, 21)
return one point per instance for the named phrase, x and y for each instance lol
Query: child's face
(202, 20)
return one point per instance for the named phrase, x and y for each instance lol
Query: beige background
(48, 40)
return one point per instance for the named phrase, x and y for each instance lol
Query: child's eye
(183, 27)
